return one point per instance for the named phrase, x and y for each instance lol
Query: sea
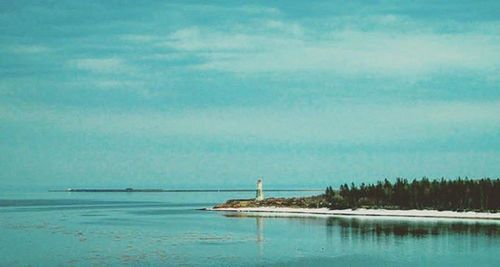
(171, 229)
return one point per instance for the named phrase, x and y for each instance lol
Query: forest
(442, 194)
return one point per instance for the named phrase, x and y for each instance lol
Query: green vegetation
(459, 195)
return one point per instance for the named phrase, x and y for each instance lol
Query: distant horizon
(247, 187)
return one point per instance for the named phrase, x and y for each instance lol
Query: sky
(214, 94)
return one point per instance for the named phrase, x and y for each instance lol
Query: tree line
(460, 194)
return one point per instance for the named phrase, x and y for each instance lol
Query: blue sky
(181, 94)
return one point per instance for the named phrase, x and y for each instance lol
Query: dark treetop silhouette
(459, 194)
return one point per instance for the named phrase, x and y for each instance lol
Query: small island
(443, 198)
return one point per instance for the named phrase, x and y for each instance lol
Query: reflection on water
(260, 234)
(260, 229)
(416, 228)
(378, 227)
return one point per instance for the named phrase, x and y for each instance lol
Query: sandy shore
(366, 212)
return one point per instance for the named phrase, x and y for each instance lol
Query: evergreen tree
(459, 194)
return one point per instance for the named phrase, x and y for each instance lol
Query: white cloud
(280, 49)
(194, 39)
(118, 84)
(217, 9)
(340, 123)
(104, 65)
(29, 49)
(138, 38)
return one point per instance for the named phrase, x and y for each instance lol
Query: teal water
(168, 229)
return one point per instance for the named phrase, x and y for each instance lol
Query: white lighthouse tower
(259, 194)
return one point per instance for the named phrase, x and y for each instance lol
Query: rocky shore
(294, 202)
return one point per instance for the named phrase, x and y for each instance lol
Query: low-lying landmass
(109, 190)
(460, 198)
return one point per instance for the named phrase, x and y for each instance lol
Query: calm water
(81, 229)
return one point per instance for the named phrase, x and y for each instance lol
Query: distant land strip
(178, 190)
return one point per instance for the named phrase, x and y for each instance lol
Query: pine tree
(459, 194)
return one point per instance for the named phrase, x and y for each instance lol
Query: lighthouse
(259, 194)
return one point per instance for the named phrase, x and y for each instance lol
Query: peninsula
(460, 198)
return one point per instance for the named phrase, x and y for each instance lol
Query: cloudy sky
(183, 94)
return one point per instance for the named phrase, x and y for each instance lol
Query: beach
(283, 211)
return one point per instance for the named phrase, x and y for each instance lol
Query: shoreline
(282, 211)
